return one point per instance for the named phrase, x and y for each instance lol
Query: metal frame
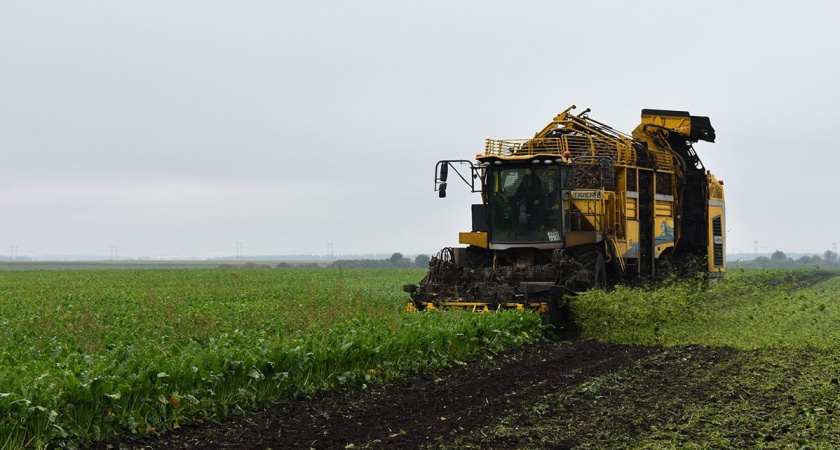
(442, 170)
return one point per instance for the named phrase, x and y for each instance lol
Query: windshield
(527, 204)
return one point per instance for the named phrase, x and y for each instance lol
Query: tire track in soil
(410, 412)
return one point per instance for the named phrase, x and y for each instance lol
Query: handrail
(620, 151)
(582, 136)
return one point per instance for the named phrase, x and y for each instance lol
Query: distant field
(87, 265)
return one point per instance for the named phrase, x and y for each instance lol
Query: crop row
(749, 309)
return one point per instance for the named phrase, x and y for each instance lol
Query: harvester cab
(575, 207)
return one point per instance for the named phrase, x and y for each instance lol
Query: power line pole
(755, 248)
(239, 250)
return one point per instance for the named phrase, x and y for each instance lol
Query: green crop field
(90, 355)
(87, 355)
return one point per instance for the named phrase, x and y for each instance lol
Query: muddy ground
(454, 407)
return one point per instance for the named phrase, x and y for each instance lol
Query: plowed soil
(442, 408)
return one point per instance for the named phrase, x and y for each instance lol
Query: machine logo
(586, 195)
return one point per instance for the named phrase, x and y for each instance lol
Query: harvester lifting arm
(604, 127)
(442, 173)
(553, 125)
(580, 122)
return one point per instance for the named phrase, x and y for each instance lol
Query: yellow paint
(477, 238)
(717, 211)
(632, 208)
(480, 307)
(664, 209)
(632, 235)
(590, 204)
(681, 125)
(574, 238)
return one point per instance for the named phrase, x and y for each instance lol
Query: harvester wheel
(558, 312)
(599, 278)
(665, 266)
(593, 263)
(560, 318)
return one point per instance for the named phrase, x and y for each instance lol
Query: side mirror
(444, 172)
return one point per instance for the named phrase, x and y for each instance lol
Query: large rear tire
(664, 267)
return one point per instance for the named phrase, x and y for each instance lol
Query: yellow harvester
(579, 205)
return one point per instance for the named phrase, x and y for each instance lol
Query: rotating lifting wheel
(593, 263)
(559, 315)
(599, 278)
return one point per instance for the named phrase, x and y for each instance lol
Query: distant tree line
(397, 260)
(281, 265)
(778, 260)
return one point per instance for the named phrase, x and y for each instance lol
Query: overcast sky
(179, 128)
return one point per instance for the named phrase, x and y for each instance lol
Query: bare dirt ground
(429, 410)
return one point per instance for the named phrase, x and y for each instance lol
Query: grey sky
(178, 128)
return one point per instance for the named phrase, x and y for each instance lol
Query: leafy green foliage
(89, 355)
(747, 309)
